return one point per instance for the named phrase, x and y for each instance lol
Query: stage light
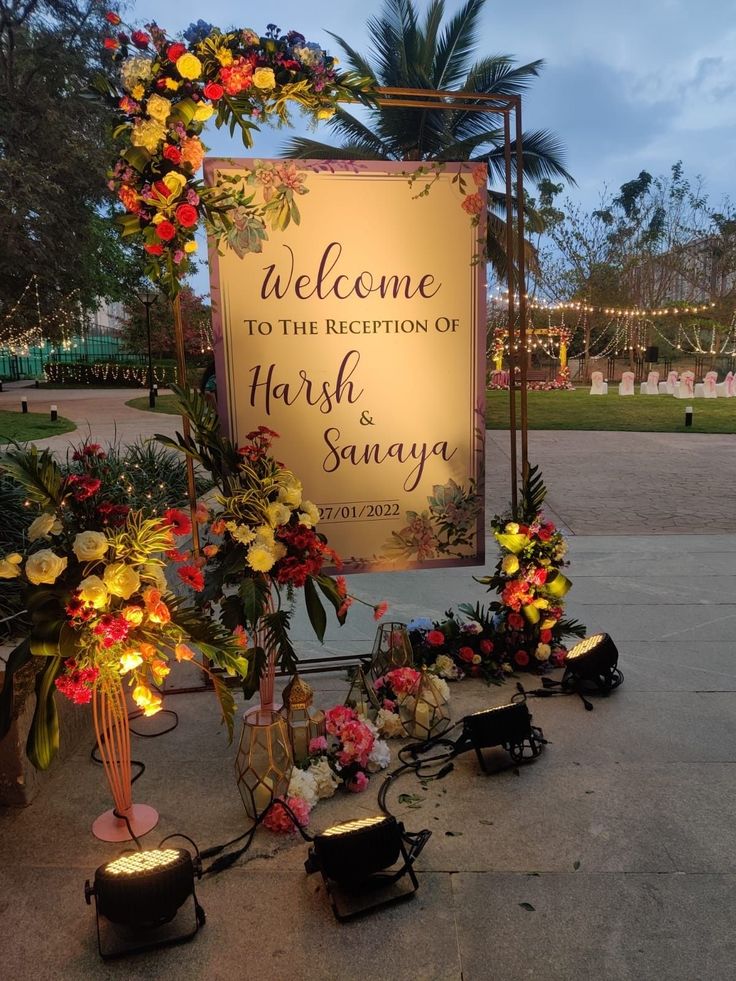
(358, 862)
(509, 726)
(591, 665)
(138, 898)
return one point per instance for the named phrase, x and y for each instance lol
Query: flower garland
(100, 606)
(164, 91)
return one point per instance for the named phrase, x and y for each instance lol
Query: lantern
(264, 761)
(391, 649)
(425, 714)
(362, 696)
(303, 723)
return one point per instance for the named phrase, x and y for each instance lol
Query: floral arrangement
(163, 91)
(261, 543)
(454, 648)
(529, 620)
(346, 757)
(100, 608)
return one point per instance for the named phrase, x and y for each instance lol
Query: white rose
(44, 567)
(291, 492)
(90, 545)
(121, 580)
(45, 524)
(10, 566)
(309, 515)
(380, 756)
(278, 514)
(445, 667)
(389, 724)
(93, 591)
(441, 688)
(303, 783)
(325, 779)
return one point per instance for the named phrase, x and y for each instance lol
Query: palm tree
(407, 54)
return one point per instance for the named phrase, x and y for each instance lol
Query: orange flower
(210, 551)
(147, 650)
(183, 653)
(129, 198)
(159, 613)
(159, 670)
(133, 614)
(192, 152)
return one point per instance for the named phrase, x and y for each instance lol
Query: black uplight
(358, 862)
(138, 898)
(592, 665)
(509, 726)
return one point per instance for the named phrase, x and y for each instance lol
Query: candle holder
(264, 761)
(362, 695)
(425, 714)
(303, 723)
(391, 649)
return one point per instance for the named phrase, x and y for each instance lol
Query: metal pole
(511, 310)
(181, 364)
(151, 393)
(521, 279)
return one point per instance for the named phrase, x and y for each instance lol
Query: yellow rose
(264, 78)
(477, 659)
(10, 566)
(158, 107)
(148, 133)
(203, 112)
(278, 514)
(45, 524)
(93, 591)
(510, 565)
(121, 580)
(541, 603)
(175, 182)
(154, 705)
(512, 528)
(542, 652)
(153, 572)
(190, 246)
(291, 492)
(44, 567)
(90, 545)
(183, 653)
(129, 661)
(189, 66)
(261, 558)
(547, 624)
(309, 515)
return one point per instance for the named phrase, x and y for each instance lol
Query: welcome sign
(349, 317)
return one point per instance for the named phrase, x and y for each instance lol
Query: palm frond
(302, 148)
(36, 472)
(456, 45)
(542, 153)
(533, 493)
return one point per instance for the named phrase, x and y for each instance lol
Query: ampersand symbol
(365, 419)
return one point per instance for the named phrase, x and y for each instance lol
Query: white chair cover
(651, 385)
(671, 382)
(709, 386)
(684, 389)
(597, 385)
(627, 384)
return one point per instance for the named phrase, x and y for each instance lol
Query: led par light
(138, 898)
(509, 726)
(592, 665)
(358, 863)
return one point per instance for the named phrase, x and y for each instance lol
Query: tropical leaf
(533, 494)
(315, 610)
(571, 628)
(329, 587)
(37, 473)
(43, 737)
(227, 704)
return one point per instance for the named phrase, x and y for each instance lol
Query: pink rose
(486, 647)
(317, 745)
(358, 784)
(521, 658)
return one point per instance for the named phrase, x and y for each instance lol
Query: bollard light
(688, 415)
(24, 404)
(138, 898)
(54, 413)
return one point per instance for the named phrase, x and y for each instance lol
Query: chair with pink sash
(651, 385)
(597, 385)
(684, 388)
(668, 387)
(724, 389)
(627, 384)
(710, 389)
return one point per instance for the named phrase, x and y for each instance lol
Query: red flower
(380, 610)
(83, 486)
(110, 43)
(187, 216)
(515, 621)
(174, 555)
(175, 51)
(521, 658)
(192, 576)
(140, 39)
(466, 654)
(112, 18)
(163, 189)
(155, 248)
(486, 646)
(172, 153)
(545, 636)
(435, 638)
(179, 522)
(165, 231)
(213, 91)
(539, 576)
(546, 532)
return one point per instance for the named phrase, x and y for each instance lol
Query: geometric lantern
(362, 696)
(391, 649)
(592, 665)
(264, 761)
(425, 714)
(304, 724)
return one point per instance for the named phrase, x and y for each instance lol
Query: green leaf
(184, 111)
(137, 157)
(38, 474)
(43, 736)
(558, 586)
(527, 906)
(44, 637)
(227, 704)
(329, 588)
(17, 659)
(253, 595)
(531, 612)
(512, 543)
(317, 615)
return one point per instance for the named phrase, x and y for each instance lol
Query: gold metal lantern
(425, 714)
(362, 695)
(264, 761)
(391, 649)
(303, 723)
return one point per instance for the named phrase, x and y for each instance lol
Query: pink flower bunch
(404, 681)
(357, 743)
(337, 717)
(280, 821)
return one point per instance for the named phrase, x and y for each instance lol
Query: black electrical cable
(137, 714)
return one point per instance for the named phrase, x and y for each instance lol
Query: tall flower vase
(110, 716)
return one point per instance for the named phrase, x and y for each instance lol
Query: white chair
(651, 385)
(684, 387)
(724, 389)
(627, 384)
(598, 386)
(668, 387)
(709, 385)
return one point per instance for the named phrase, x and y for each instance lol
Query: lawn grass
(25, 426)
(167, 404)
(632, 413)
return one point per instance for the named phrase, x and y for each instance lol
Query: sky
(627, 86)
